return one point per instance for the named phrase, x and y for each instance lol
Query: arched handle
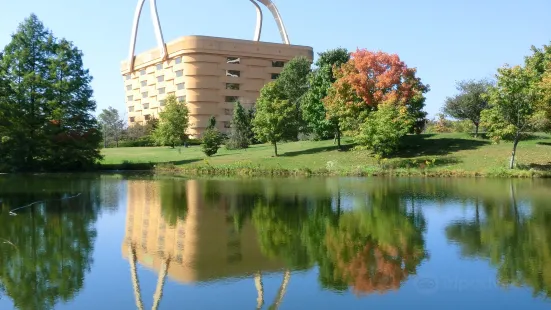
(159, 32)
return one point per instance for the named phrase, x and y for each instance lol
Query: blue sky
(446, 41)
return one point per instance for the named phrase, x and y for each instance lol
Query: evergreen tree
(212, 122)
(240, 129)
(49, 124)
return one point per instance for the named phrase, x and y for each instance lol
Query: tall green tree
(50, 125)
(173, 123)
(513, 110)
(112, 125)
(275, 118)
(471, 100)
(240, 129)
(293, 84)
(320, 80)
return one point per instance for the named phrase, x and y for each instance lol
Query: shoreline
(368, 171)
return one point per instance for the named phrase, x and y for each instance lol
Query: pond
(140, 241)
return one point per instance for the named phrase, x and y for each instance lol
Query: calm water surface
(143, 242)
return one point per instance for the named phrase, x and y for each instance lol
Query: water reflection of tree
(373, 247)
(54, 244)
(516, 242)
(173, 200)
(52, 239)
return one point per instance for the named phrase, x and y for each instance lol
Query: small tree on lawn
(173, 123)
(112, 125)
(240, 128)
(275, 119)
(212, 139)
(384, 128)
(471, 100)
(513, 105)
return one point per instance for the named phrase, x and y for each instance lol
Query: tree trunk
(515, 143)
(339, 138)
(476, 130)
(275, 148)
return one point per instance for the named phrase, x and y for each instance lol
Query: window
(144, 83)
(161, 90)
(146, 106)
(159, 66)
(232, 99)
(160, 78)
(227, 111)
(180, 86)
(147, 117)
(275, 76)
(179, 73)
(162, 103)
(181, 98)
(144, 94)
(233, 86)
(130, 98)
(128, 76)
(227, 125)
(233, 60)
(142, 72)
(233, 73)
(131, 109)
(132, 119)
(278, 64)
(178, 60)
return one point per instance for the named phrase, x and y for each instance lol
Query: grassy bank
(427, 155)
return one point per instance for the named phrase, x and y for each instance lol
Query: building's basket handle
(159, 32)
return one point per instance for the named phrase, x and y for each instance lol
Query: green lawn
(447, 154)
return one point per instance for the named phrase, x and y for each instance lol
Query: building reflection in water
(201, 246)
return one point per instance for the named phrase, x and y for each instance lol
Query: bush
(194, 142)
(384, 128)
(211, 141)
(140, 142)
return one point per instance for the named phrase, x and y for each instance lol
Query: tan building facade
(203, 247)
(210, 74)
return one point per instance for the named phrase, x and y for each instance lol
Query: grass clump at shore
(432, 155)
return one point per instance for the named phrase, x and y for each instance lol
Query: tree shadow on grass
(319, 150)
(420, 145)
(544, 143)
(135, 166)
(539, 167)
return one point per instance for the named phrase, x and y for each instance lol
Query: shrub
(211, 141)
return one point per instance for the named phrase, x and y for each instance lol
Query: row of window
(177, 61)
(237, 73)
(160, 78)
(237, 60)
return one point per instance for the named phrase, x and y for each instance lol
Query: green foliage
(112, 125)
(293, 85)
(320, 80)
(384, 128)
(241, 129)
(275, 118)
(470, 102)
(47, 102)
(173, 123)
(212, 122)
(212, 139)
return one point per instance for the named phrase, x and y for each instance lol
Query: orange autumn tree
(368, 80)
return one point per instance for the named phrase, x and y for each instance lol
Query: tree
(513, 105)
(112, 125)
(211, 141)
(320, 80)
(50, 125)
(384, 128)
(275, 119)
(369, 79)
(293, 84)
(173, 123)
(240, 129)
(212, 122)
(470, 102)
